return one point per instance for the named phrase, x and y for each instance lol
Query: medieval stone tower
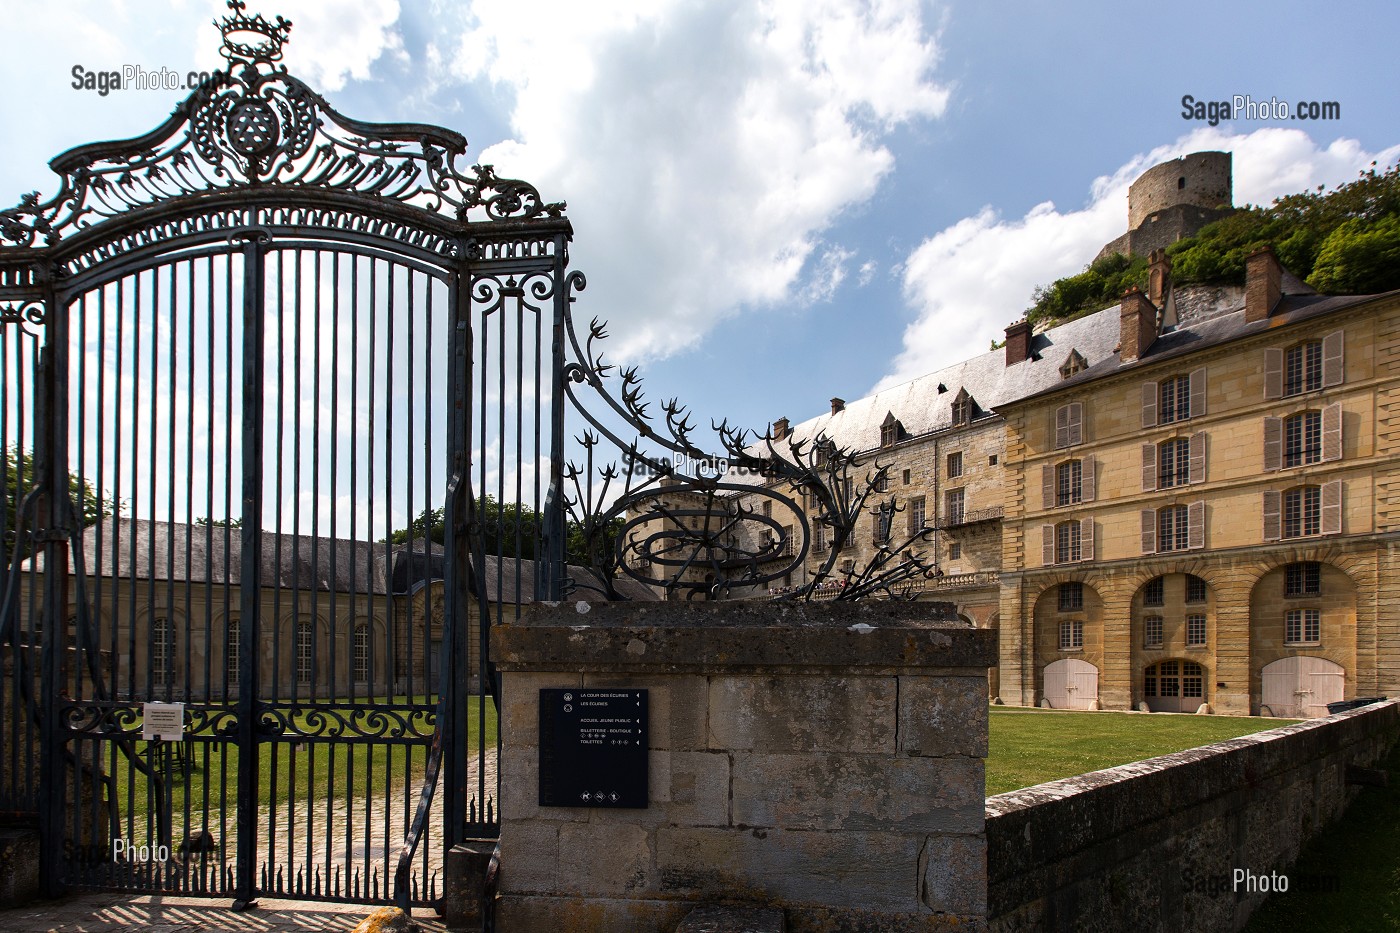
(1174, 200)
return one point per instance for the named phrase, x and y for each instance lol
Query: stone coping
(733, 636)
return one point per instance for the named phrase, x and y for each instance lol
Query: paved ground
(116, 913)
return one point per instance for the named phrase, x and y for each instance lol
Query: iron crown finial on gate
(252, 38)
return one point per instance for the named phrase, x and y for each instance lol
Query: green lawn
(319, 770)
(1032, 746)
(1348, 879)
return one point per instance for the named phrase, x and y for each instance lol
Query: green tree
(1359, 258)
(18, 478)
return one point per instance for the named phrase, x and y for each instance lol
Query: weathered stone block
(943, 716)
(547, 914)
(685, 787)
(798, 713)
(953, 874)
(786, 867)
(530, 856)
(733, 920)
(859, 792)
(607, 859)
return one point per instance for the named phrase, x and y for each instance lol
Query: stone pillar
(822, 759)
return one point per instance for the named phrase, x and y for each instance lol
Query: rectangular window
(1302, 439)
(1303, 579)
(1069, 482)
(1067, 542)
(1174, 463)
(1195, 631)
(1303, 368)
(1175, 402)
(955, 465)
(1172, 532)
(1071, 596)
(818, 536)
(1152, 632)
(231, 648)
(992, 460)
(1302, 512)
(787, 541)
(1152, 593)
(1195, 589)
(954, 511)
(906, 477)
(303, 653)
(955, 550)
(1303, 627)
(1071, 636)
(917, 514)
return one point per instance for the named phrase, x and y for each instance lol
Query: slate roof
(1291, 309)
(922, 409)
(175, 552)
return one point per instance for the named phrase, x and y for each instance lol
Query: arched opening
(1300, 687)
(1174, 686)
(1072, 684)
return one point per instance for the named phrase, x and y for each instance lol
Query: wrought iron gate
(271, 378)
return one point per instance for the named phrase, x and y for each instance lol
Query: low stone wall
(1154, 845)
(825, 760)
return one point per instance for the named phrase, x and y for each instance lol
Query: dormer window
(891, 431)
(963, 406)
(1074, 363)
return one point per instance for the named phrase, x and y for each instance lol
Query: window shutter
(1047, 485)
(1273, 515)
(1332, 508)
(1198, 457)
(1332, 370)
(1149, 467)
(1047, 551)
(1198, 392)
(1332, 432)
(1273, 373)
(1086, 483)
(1149, 531)
(1062, 427)
(1196, 525)
(1086, 539)
(1076, 422)
(1149, 404)
(1273, 444)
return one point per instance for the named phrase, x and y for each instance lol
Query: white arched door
(1301, 687)
(1072, 684)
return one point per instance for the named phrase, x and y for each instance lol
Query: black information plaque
(593, 748)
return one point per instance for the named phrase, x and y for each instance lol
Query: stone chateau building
(1189, 499)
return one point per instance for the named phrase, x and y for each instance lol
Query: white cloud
(867, 272)
(830, 272)
(968, 281)
(334, 41)
(703, 147)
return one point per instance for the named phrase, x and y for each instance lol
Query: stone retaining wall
(1154, 845)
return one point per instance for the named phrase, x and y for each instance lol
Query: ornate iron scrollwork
(676, 516)
(255, 124)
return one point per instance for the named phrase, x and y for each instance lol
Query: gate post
(250, 572)
(52, 419)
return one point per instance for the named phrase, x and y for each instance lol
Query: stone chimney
(1159, 277)
(780, 429)
(1018, 342)
(1138, 318)
(1263, 284)
(838, 405)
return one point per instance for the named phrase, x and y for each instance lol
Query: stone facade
(824, 760)
(1223, 471)
(1174, 200)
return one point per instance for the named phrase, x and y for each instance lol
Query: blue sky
(778, 202)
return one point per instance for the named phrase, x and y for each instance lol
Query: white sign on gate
(162, 722)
